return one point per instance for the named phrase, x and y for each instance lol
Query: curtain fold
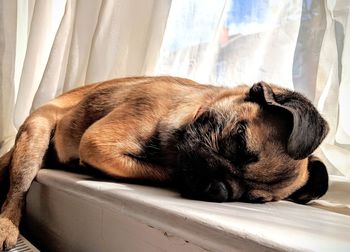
(42, 31)
(333, 87)
(8, 22)
(55, 70)
(49, 47)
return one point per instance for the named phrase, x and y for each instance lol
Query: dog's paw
(8, 234)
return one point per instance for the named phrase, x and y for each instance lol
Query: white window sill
(67, 211)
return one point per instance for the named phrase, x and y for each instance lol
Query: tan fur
(99, 124)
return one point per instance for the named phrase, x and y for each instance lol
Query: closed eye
(234, 148)
(241, 128)
(241, 135)
(245, 156)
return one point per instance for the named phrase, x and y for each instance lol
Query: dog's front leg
(31, 143)
(116, 145)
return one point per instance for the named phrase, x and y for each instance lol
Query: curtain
(50, 46)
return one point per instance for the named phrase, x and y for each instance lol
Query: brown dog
(214, 143)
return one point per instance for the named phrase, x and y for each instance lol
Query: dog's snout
(217, 191)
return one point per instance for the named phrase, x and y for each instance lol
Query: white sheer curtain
(48, 47)
(302, 45)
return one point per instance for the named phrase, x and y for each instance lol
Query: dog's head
(253, 144)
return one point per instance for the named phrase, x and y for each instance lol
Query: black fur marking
(315, 187)
(201, 171)
(152, 151)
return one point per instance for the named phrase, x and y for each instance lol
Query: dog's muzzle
(221, 191)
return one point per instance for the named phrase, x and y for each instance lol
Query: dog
(251, 144)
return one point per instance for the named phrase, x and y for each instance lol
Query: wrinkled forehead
(264, 128)
(262, 125)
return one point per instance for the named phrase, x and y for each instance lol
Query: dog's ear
(308, 127)
(316, 185)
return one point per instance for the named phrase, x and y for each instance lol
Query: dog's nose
(217, 191)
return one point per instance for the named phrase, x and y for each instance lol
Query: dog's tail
(5, 162)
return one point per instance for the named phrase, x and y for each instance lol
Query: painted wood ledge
(67, 211)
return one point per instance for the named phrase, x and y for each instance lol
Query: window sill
(77, 212)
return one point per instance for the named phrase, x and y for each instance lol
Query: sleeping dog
(251, 144)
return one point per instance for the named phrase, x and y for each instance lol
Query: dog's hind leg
(31, 144)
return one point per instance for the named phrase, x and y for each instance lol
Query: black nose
(216, 191)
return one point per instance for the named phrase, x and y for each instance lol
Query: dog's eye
(233, 146)
(240, 134)
(241, 128)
